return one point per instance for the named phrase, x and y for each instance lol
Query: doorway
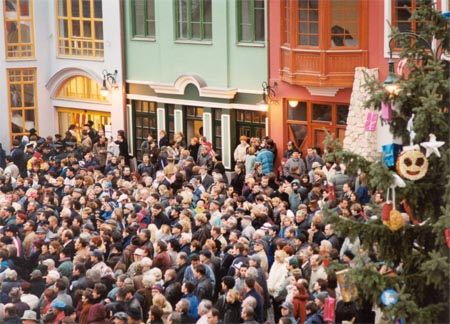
(309, 123)
(78, 117)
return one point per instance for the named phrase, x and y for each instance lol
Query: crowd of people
(88, 237)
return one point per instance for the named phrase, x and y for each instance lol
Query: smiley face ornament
(412, 165)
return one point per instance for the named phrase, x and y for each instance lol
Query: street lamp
(269, 95)
(391, 83)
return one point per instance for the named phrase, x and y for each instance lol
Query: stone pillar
(357, 140)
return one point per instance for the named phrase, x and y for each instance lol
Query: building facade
(54, 59)
(196, 67)
(315, 47)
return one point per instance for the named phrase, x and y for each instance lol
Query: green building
(196, 66)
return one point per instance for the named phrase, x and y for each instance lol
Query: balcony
(321, 68)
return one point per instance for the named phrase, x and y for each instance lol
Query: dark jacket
(12, 320)
(204, 289)
(232, 313)
(338, 181)
(238, 182)
(172, 292)
(259, 309)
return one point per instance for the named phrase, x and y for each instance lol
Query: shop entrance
(68, 116)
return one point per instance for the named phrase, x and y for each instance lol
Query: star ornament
(432, 146)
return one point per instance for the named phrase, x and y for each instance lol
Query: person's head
(343, 203)
(29, 317)
(204, 307)
(379, 198)
(155, 313)
(213, 316)
(174, 318)
(182, 306)
(320, 299)
(228, 283)
(199, 271)
(187, 287)
(329, 229)
(311, 307)
(120, 318)
(284, 319)
(315, 260)
(233, 296)
(247, 313)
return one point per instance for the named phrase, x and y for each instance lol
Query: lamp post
(390, 84)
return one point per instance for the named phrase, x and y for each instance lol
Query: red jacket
(299, 312)
(161, 261)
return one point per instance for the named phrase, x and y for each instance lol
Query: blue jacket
(266, 157)
(193, 304)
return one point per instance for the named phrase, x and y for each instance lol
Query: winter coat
(277, 277)
(299, 303)
(238, 182)
(203, 289)
(293, 163)
(161, 261)
(249, 163)
(338, 181)
(266, 157)
(97, 314)
(232, 313)
(240, 153)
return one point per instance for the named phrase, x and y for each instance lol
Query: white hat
(29, 315)
(53, 274)
(139, 252)
(122, 197)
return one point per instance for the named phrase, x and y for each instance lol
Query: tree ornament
(447, 237)
(395, 220)
(390, 154)
(432, 146)
(371, 121)
(389, 297)
(412, 165)
(386, 111)
(348, 288)
(410, 129)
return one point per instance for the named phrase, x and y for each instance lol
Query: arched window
(81, 88)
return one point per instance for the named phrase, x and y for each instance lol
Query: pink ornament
(386, 111)
(371, 121)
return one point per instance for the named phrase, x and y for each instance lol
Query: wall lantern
(293, 103)
(109, 82)
(269, 95)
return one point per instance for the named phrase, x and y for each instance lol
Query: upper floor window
(80, 28)
(19, 42)
(251, 21)
(143, 18)
(194, 19)
(401, 14)
(308, 23)
(287, 22)
(304, 26)
(344, 23)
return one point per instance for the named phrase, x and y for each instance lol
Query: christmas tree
(417, 250)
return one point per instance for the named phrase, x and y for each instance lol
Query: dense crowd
(90, 236)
